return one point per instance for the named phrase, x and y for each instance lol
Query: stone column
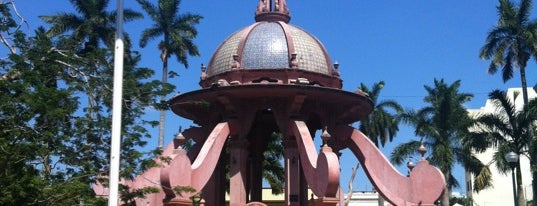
(238, 171)
(178, 202)
(303, 188)
(256, 175)
(214, 192)
(292, 173)
(326, 201)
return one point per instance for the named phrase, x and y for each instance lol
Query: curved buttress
(423, 186)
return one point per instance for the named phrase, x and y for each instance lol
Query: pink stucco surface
(423, 187)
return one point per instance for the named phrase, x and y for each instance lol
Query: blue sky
(404, 43)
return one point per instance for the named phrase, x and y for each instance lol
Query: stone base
(325, 201)
(183, 202)
(256, 204)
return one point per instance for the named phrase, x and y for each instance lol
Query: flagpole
(115, 148)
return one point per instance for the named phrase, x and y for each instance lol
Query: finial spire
(272, 10)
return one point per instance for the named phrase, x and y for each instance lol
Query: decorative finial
(236, 62)
(293, 62)
(410, 164)
(336, 68)
(325, 136)
(203, 72)
(336, 65)
(179, 140)
(422, 150)
(272, 10)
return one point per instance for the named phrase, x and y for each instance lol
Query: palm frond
(382, 124)
(499, 158)
(402, 152)
(453, 183)
(507, 11)
(479, 141)
(62, 23)
(149, 34)
(507, 70)
(524, 11)
(483, 179)
(150, 9)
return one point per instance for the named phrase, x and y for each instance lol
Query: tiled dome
(268, 45)
(268, 48)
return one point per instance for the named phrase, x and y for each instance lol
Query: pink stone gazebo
(274, 77)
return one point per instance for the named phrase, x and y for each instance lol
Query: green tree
(16, 110)
(36, 116)
(12, 22)
(505, 130)
(54, 145)
(85, 32)
(381, 125)
(512, 42)
(532, 149)
(273, 171)
(178, 33)
(442, 125)
(465, 201)
(53, 149)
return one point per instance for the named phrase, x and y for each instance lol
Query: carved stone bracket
(321, 170)
(181, 172)
(423, 186)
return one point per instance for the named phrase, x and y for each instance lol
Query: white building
(366, 198)
(501, 194)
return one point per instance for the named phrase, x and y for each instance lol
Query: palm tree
(92, 24)
(441, 125)
(512, 42)
(274, 172)
(86, 31)
(532, 148)
(381, 125)
(178, 32)
(505, 130)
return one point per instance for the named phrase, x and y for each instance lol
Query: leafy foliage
(510, 45)
(442, 125)
(512, 42)
(466, 201)
(273, 170)
(91, 25)
(55, 117)
(178, 31)
(506, 129)
(383, 123)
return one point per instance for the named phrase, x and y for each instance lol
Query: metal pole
(514, 186)
(115, 148)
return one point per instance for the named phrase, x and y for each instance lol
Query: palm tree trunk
(162, 101)
(444, 200)
(524, 84)
(521, 196)
(533, 152)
